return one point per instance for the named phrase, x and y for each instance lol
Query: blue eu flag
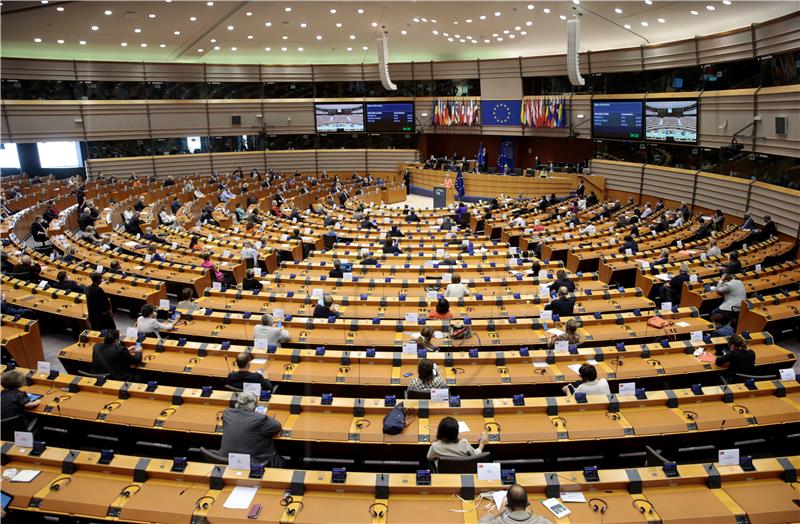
(501, 112)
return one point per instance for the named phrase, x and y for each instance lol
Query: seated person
(390, 247)
(395, 232)
(629, 243)
(570, 334)
(563, 305)
(150, 236)
(27, 269)
(589, 382)
(516, 510)
(663, 258)
(412, 216)
(246, 431)
(455, 289)
(739, 358)
(442, 309)
(563, 281)
(326, 309)
(167, 218)
(147, 322)
(448, 445)
(114, 359)
(155, 256)
(274, 335)
(446, 260)
(237, 379)
(734, 265)
(733, 292)
(89, 235)
(69, 255)
(722, 326)
(424, 339)
(66, 284)
(426, 379)
(713, 249)
(672, 290)
(187, 302)
(250, 281)
(9, 309)
(336, 271)
(14, 401)
(366, 259)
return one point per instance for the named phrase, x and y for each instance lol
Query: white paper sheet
(241, 497)
(26, 475)
(463, 427)
(572, 496)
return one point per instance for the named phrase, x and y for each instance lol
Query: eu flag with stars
(460, 184)
(501, 112)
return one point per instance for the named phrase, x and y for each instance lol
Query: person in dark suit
(390, 247)
(395, 232)
(336, 272)
(112, 358)
(248, 432)
(412, 216)
(739, 358)
(27, 269)
(581, 190)
(749, 224)
(769, 229)
(134, 225)
(326, 309)
(563, 281)
(366, 259)
(243, 375)
(66, 284)
(39, 230)
(629, 243)
(671, 291)
(368, 224)
(563, 305)
(98, 305)
(250, 281)
(733, 266)
(175, 206)
(722, 326)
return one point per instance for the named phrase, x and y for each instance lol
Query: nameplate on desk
(666, 307)
(131, 332)
(239, 461)
(23, 439)
(409, 348)
(696, 336)
(627, 388)
(561, 346)
(278, 314)
(788, 374)
(546, 316)
(252, 387)
(43, 367)
(257, 271)
(216, 286)
(440, 395)
(99, 268)
(163, 304)
(488, 471)
(412, 318)
(693, 278)
(729, 457)
(261, 343)
(317, 292)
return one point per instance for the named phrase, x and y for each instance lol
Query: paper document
(463, 427)
(499, 498)
(555, 331)
(572, 496)
(26, 475)
(241, 497)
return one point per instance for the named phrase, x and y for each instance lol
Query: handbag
(658, 322)
(460, 332)
(395, 421)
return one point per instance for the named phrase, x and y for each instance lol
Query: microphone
(553, 476)
(184, 490)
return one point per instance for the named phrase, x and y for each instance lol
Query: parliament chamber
(345, 262)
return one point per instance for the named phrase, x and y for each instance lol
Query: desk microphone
(553, 476)
(227, 364)
(184, 490)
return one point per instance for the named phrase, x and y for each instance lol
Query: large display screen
(621, 119)
(59, 155)
(335, 118)
(392, 117)
(671, 120)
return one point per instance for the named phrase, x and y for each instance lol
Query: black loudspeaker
(780, 125)
(236, 120)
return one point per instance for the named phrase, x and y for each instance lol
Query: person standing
(101, 315)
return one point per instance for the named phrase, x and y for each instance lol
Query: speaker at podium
(443, 196)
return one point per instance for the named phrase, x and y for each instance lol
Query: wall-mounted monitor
(671, 120)
(339, 118)
(390, 117)
(9, 156)
(620, 119)
(59, 155)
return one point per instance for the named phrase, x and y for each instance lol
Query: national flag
(501, 112)
(459, 184)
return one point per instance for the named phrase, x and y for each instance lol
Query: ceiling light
(710, 7)
(695, 13)
(267, 49)
(726, 2)
(462, 40)
(230, 28)
(45, 1)
(349, 48)
(59, 8)
(200, 50)
(546, 11)
(530, 7)
(618, 10)
(284, 37)
(364, 47)
(445, 34)
(162, 46)
(213, 40)
(661, 20)
(403, 32)
(283, 48)
(512, 36)
(360, 11)
(529, 23)
(415, 19)
(485, 41)
(433, 20)
(210, 4)
(95, 28)
(300, 49)
(576, 2)
(449, 39)
(497, 13)
(506, 31)
(500, 39)
(249, 37)
(457, 36)
(523, 33)
(234, 48)
(468, 20)
(648, 2)
(338, 24)
(424, 19)
(483, 17)
(249, 13)
(61, 41)
(303, 25)
(562, 17)
(176, 33)
(82, 42)
(137, 30)
(517, 28)
(193, 19)
(143, 44)
(319, 37)
(151, 15)
(216, 48)
(268, 24)
(495, 35)
(374, 24)
(287, 9)
(644, 24)
(37, 40)
(333, 11)
(455, 22)
(123, 44)
(435, 32)
(353, 37)
(627, 26)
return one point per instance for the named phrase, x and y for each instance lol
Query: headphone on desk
(204, 505)
(126, 491)
(650, 510)
(599, 505)
(375, 513)
(288, 501)
(60, 483)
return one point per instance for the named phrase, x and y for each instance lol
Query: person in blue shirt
(154, 254)
(226, 195)
(722, 327)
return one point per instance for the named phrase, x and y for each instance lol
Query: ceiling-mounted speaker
(383, 63)
(236, 120)
(573, 49)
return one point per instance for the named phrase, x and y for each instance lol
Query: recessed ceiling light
(403, 32)
(485, 41)
(618, 10)
(445, 34)
(648, 2)
(162, 46)
(457, 36)
(200, 50)
(234, 48)
(360, 11)
(284, 37)
(529, 23)
(710, 7)
(495, 35)
(124, 44)
(576, 2)
(546, 11)
(303, 25)
(482, 17)
(95, 28)
(523, 33)
(151, 15)
(497, 13)
(37, 40)
(249, 13)
(349, 48)
(562, 17)
(300, 49)
(176, 33)
(462, 40)
(415, 19)
(627, 26)
(338, 24)
(433, 20)
(59, 8)
(213, 40)
(210, 4)
(284, 48)
(268, 24)
(267, 49)
(287, 9)
(193, 19)
(45, 1)
(319, 37)
(216, 48)
(530, 7)
(250, 37)
(424, 19)
(60, 41)
(364, 48)
(506, 31)
(230, 28)
(661, 21)
(468, 20)
(333, 11)
(512, 36)
(517, 28)
(644, 24)
(374, 24)
(500, 39)
(695, 13)
(455, 22)
(435, 32)
(449, 39)
(353, 37)
(143, 44)
(137, 30)
(726, 2)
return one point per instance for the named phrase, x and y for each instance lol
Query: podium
(443, 197)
